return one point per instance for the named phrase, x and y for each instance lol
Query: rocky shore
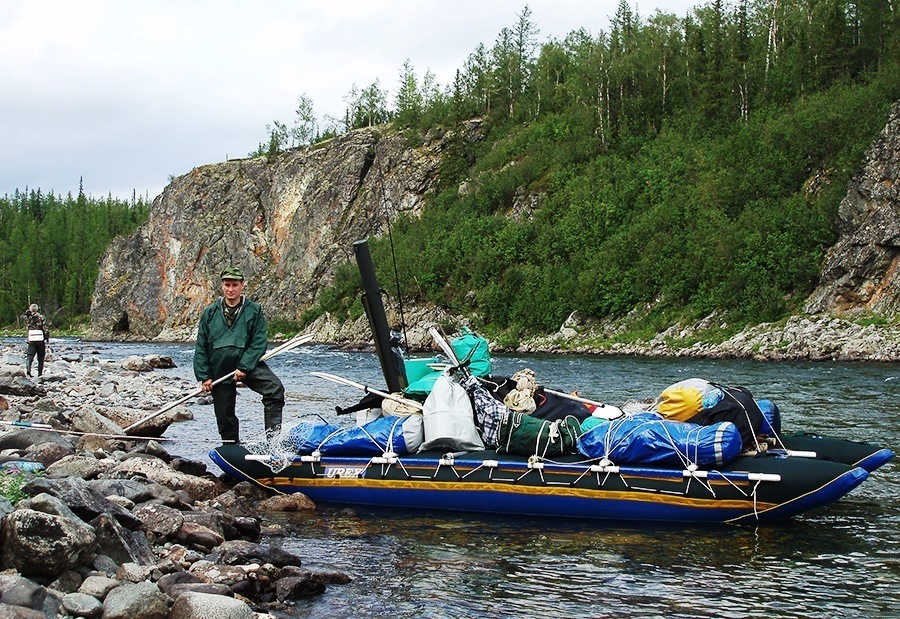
(818, 337)
(98, 524)
(804, 337)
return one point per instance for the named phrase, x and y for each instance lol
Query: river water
(839, 561)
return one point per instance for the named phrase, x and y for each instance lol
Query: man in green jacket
(231, 339)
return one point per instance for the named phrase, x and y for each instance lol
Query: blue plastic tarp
(647, 438)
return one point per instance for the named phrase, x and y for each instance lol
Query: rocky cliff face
(287, 222)
(860, 272)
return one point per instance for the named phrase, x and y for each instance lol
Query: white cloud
(125, 93)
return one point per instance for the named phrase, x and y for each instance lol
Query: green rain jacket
(221, 350)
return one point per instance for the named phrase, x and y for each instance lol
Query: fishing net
(283, 445)
(271, 444)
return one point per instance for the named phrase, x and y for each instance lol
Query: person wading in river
(231, 339)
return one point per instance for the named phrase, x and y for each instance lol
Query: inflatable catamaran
(449, 435)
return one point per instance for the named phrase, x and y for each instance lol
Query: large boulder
(45, 544)
(122, 545)
(141, 599)
(82, 605)
(19, 385)
(160, 472)
(86, 419)
(22, 439)
(242, 552)
(160, 520)
(193, 605)
(19, 591)
(136, 490)
(81, 499)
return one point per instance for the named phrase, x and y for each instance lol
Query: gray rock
(9, 611)
(222, 574)
(45, 544)
(82, 499)
(132, 572)
(212, 519)
(19, 385)
(176, 578)
(195, 605)
(158, 471)
(22, 439)
(326, 577)
(120, 544)
(107, 389)
(294, 588)
(105, 565)
(136, 490)
(248, 527)
(86, 419)
(136, 364)
(235, 504)
(199, 587)
(241, 552)
(160, 519)
(159, 362)
(153, 448)
(5, 506)
(93, 443)
(82, 605)
(189, 467)
(98, 586)
(48, 504)
(48, 453)
(85, 467)
(67, 582)
(19, 591)
(859, 273)
(122, 502)
(130, 600)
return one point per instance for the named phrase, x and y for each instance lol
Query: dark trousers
(39, 349)
(261, 380)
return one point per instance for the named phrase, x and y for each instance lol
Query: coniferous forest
(678, 165)
(51, 250)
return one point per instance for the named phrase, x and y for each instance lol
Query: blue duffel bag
(647, 438)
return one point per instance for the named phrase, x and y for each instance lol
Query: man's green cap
(233, 273)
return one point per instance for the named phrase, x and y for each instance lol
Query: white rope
(129, 437)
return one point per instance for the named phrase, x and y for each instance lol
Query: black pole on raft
(374, 307)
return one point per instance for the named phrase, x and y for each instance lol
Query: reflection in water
(840, 561)
(440, 565)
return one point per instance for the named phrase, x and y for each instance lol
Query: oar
(344, 381)
(289, 345)
(28, 424)
(443, 345)
(606, 411)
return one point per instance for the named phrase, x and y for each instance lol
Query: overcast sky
(126, 93)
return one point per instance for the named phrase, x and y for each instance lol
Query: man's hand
(239, 376)
(206, 385)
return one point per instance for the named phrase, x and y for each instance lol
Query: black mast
(374, 307)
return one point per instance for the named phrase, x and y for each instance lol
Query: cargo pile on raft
(456, 436)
